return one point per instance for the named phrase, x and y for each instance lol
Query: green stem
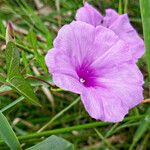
(69, 129)
(145, 14)
(59, 114)
(126, 6)
(120, 7)
(63, 130)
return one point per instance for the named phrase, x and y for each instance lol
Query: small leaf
(53, 143)
(7, 134)
(10, 36)
(14, 78)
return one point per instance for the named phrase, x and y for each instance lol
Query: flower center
(87, 75)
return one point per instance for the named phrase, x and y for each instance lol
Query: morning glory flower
(94, 63)
(118, 23)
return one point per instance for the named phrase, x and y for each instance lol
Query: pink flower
(117, 23)
(94, 62)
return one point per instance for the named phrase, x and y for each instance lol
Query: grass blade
(59, 114)
(7, 134)
(12, 104)
(145, 14)
(143, 127)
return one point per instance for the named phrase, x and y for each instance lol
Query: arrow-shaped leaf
(14, 78)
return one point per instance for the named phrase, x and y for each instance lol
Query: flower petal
(110, 17)
(59, 62)
(89, 15)
(75, 40)
(68, 83)
(122, 27)
(117, 52)
(121, 90)
(104, 40)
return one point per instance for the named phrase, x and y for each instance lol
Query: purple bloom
(118, 23)
(94, 62)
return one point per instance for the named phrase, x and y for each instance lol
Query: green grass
(62, 113)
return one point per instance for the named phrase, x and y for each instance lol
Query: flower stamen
(82, 80)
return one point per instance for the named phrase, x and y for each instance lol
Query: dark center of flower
(87, 76)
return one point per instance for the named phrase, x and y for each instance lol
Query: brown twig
(5, 93)
(146, 101)
(39, 79)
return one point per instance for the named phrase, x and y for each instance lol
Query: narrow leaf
(7, 134)
(143, 127)
(53, 143)
(145, 14)
(12, 104)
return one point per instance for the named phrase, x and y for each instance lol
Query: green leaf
(33, 82)
(20, 85)
(2, 78)
(53, 143)
(14, 78)
(7, 134)
(12, 60)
